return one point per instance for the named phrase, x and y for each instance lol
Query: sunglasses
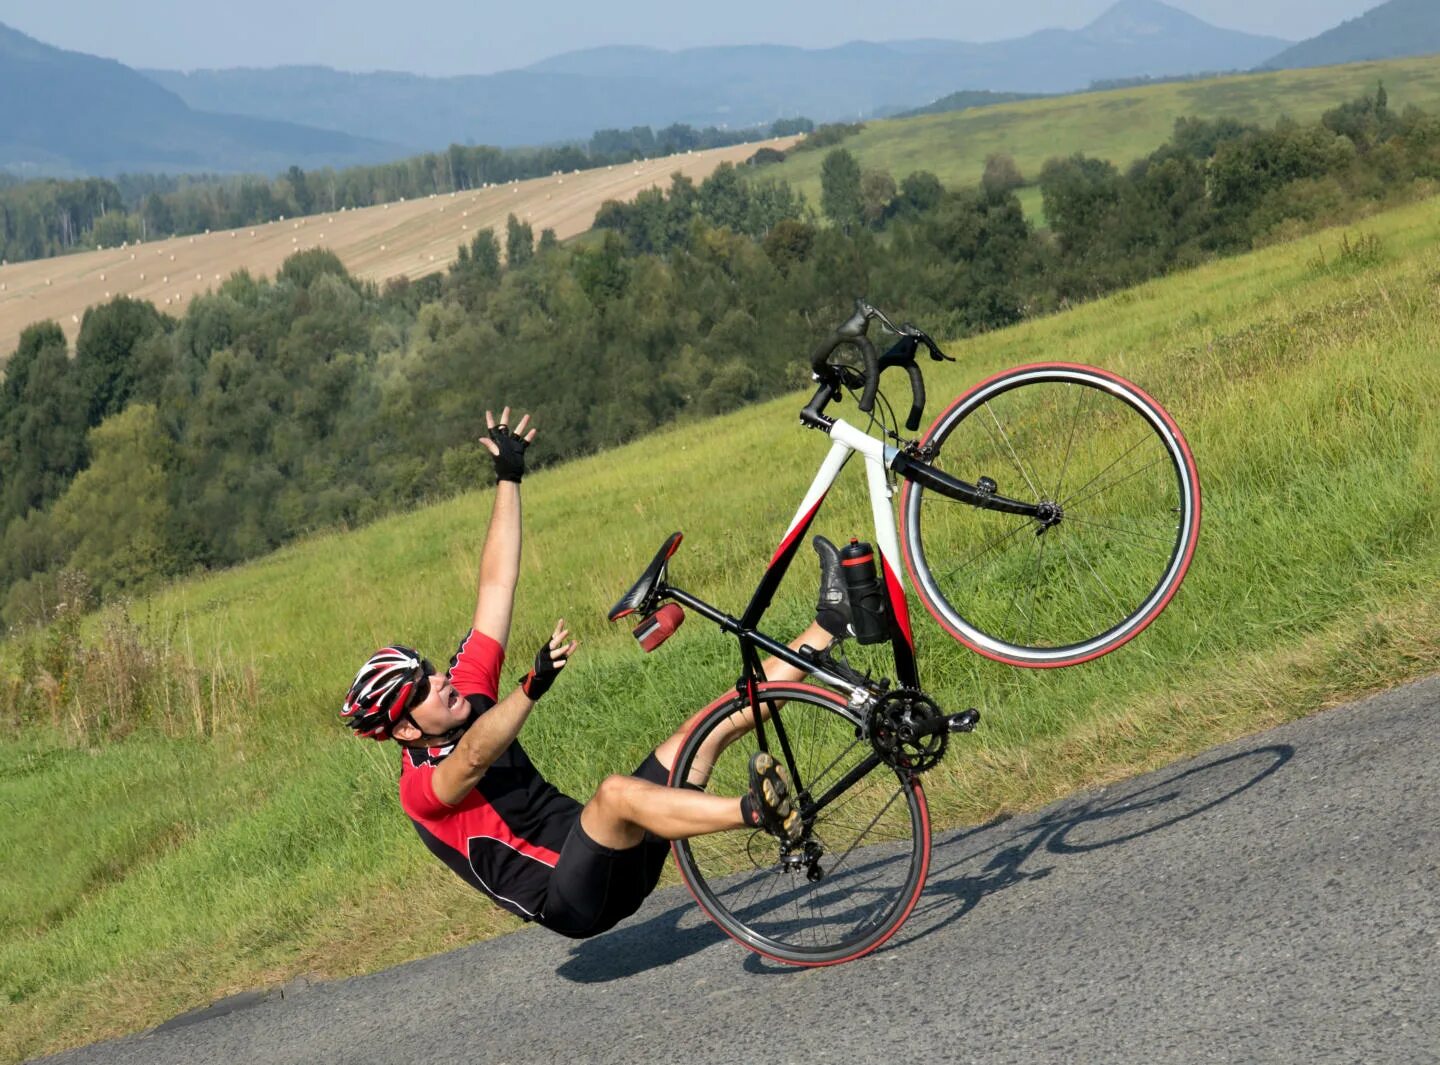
(421, 691)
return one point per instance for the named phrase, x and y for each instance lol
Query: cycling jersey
(504, 837)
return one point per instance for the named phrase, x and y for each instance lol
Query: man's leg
(625, 808)
(742, 721)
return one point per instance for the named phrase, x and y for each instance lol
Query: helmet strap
(437, 739)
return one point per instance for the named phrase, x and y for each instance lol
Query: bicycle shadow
(1118, 815)
(1121, 814)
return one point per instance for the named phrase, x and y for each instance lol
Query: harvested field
(409, 238)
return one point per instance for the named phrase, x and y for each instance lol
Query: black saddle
(642, 593)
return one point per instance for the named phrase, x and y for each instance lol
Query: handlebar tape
(853, 332)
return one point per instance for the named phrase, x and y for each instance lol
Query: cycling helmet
(385, 689)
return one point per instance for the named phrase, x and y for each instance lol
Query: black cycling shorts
(593, 887)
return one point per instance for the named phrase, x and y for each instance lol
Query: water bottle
(867, 595)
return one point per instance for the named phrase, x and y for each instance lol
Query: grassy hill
(1120, 125)
(225, 832)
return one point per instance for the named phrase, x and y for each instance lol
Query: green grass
(1120, 125)
(204, 855)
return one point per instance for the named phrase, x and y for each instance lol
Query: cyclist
(482, 807)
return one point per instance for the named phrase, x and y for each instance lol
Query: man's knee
(616, 793)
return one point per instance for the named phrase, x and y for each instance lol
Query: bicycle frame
(846, 440)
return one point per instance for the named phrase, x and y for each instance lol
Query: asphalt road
(1274, 900)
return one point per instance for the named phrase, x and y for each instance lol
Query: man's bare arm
(499, 565)
(500, 557)
(483, 742)
(486, 739)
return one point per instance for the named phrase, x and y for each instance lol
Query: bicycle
(1086, 545)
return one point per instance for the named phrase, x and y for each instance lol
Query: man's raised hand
(506, 445)
(549, 661)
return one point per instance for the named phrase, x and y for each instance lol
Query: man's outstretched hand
(549, 661)
(506, 445)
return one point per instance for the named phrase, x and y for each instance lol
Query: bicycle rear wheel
(856, 875)
(1126, 513)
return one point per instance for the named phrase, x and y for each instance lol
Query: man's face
(442, 709)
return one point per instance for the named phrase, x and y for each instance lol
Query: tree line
(39, 219)
(272, 407)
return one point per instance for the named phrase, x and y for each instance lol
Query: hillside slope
(1396, 28)
(375, 243)
(239, 837)
(1120, 125)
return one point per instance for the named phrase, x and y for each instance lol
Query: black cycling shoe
(832, 610)
(768, 804)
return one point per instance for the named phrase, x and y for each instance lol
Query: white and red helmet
(390, 684)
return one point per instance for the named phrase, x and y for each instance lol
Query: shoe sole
(778, 801)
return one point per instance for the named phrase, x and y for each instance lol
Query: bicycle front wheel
(860, 867)
(1122, 513)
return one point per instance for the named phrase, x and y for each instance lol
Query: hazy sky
(482, 36)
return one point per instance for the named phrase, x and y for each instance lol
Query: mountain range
(66, 114)
(571, 95)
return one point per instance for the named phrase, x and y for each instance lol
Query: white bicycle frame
(845, 441)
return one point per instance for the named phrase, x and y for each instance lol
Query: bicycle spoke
(1113, 463)
(1034, 587)
(1168, 542)
(1103, 586)
(1069, 443)
(1004, 437)
(991, 546)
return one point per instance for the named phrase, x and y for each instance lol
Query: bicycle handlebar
(852, 332)
(901, 354)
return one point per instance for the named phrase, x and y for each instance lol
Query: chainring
(893, 722)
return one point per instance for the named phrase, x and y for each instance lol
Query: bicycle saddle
(643, 591)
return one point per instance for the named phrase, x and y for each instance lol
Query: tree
(1001, 175)
(725, 199)
(519, 242)
(788, 243)
(877, 195)
(920, 192)
(43, 414)
(300, 190)
(1080, 196)
(115, 514)
(840, 194)
(105, 350)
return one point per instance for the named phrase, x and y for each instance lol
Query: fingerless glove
(537, 682)
(510, 463)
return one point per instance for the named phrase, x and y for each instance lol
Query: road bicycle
(1047, 516)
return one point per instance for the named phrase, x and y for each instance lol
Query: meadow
(1120, 125)
(191, 820)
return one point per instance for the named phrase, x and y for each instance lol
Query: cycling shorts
(593, 887)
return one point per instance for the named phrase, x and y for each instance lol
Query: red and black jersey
(504, 837)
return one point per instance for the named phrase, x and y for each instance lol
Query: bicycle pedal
(964, 721)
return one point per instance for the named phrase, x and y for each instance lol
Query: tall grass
(188, 855)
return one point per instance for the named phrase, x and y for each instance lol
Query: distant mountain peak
(1131, 18)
